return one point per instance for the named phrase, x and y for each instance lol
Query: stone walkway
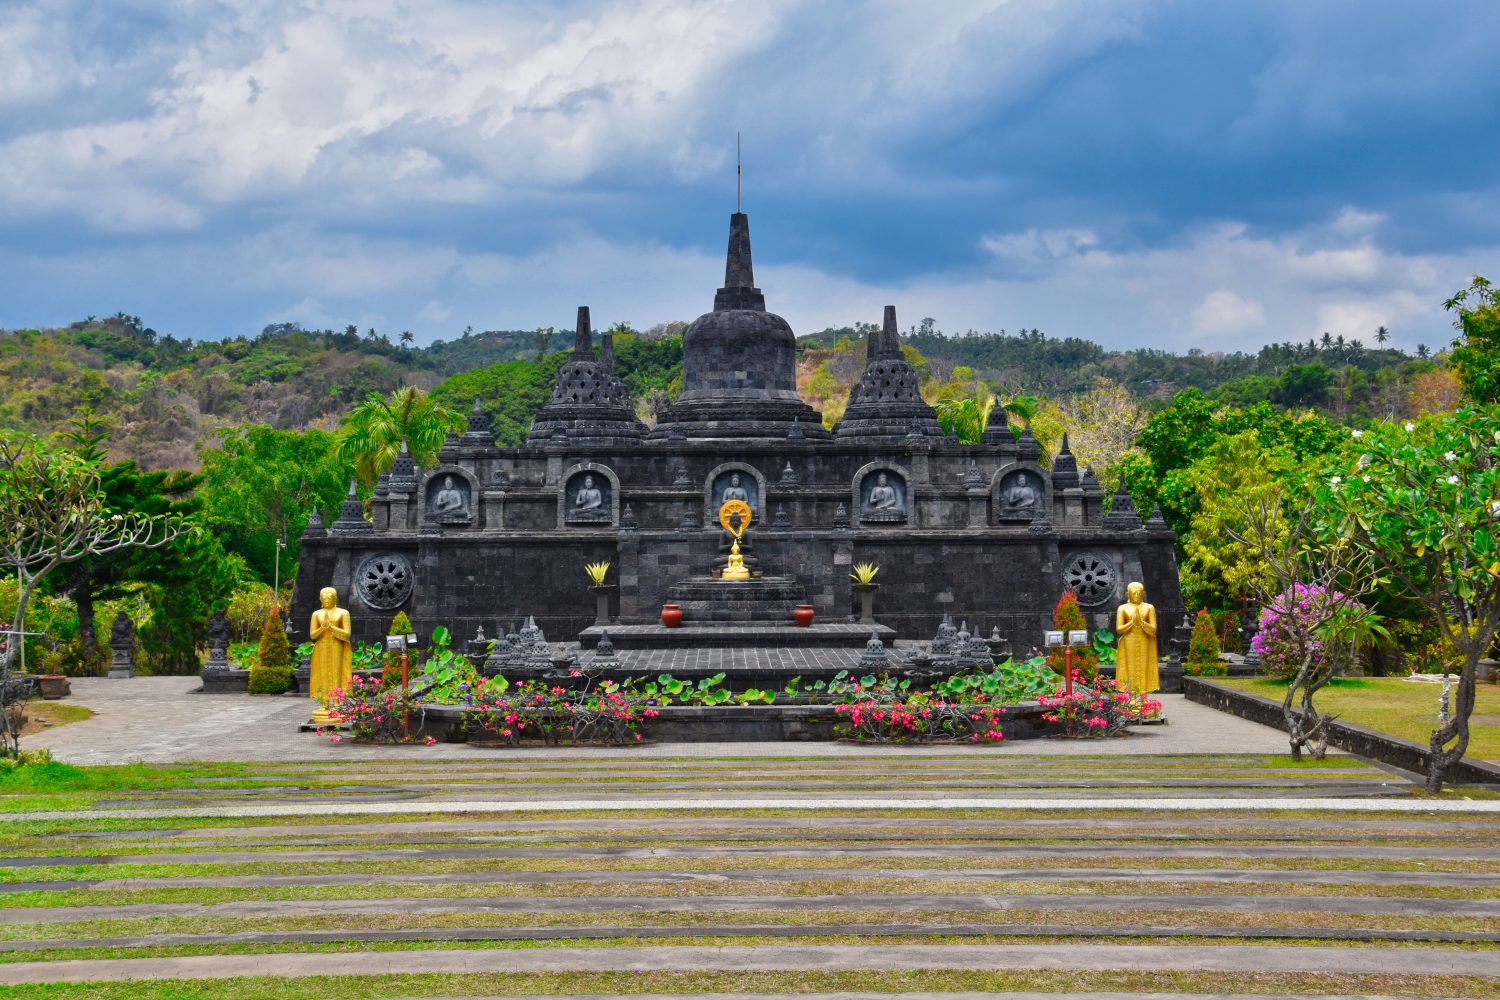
(1245, 958)
(164, 720)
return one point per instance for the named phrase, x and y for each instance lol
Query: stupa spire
(583, 340)
(739, 291)
(890, 339)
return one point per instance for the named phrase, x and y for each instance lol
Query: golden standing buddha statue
(1135, 624)
(333, 653)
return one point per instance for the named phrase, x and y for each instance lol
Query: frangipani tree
(1424, 498)
(53, 511)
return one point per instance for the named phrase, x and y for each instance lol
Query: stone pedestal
(122, 647)
(224, 679)
(601, 603)
(766, 599)
(866, 592)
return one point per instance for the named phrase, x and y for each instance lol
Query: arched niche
(589, 497)
(881, 494)
(1019, 493)
(449, 496)
(721, 479)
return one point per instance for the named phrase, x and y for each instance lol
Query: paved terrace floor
(164, 720)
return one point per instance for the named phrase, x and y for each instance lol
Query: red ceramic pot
(803, 613)
(671, 615)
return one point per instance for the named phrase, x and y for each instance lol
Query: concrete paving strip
(1352, 827)
(1453, 880)
(900, 850)
(895, 902)
(803, 958)
(862, 770)
(754, 930)
(820, 804)
(997, 837)
(799, 779)
(920, 996)
(195, 803)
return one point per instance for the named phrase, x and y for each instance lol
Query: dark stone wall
(514, 559)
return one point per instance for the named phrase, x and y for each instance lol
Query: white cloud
(1224, 312)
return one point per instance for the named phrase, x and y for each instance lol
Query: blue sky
(1172, 174)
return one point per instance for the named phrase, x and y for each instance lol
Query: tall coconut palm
(1382, 335)
(371, 435)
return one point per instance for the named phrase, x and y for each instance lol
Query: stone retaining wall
(1393, 750)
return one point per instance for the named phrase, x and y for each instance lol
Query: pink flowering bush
(535, 710)
(886, 710)
(372, 713)
(1096, 710)
(1291, 626)
(919, 719)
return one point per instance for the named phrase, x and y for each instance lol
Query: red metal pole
(1068, 669)
(405, 697)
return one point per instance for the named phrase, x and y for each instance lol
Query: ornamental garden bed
(724, 724)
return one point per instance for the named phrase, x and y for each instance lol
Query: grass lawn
(50, 714)
(1394, 705)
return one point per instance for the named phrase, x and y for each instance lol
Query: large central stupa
(493, 534)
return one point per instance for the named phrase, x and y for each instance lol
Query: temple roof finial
(739, 291)
(583, 341)
(890, 338)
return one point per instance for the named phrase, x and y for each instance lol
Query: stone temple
(492, 535)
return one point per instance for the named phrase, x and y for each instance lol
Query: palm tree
(371, 435)
(1422, 351)
(406, 340)
(1382, 335)
(966, 417)
(1023, 408)
(1327, 340)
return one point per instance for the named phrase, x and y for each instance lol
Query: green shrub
(270, 680)
(274, 650)
(1203, 650)
(390, 668)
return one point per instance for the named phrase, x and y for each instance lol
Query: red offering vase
(803, 613)
(671, 615)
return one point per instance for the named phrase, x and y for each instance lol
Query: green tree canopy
(1476, 354)
(260, 486)
(1424, 497)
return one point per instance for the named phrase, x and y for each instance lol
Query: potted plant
(54, 686)
(865, 586)
(596, 572)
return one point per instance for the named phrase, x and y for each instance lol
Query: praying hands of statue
(1127, 618)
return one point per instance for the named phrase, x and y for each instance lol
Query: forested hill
(1031, 362)
(164, 399)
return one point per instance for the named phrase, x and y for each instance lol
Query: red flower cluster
(918, 720)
